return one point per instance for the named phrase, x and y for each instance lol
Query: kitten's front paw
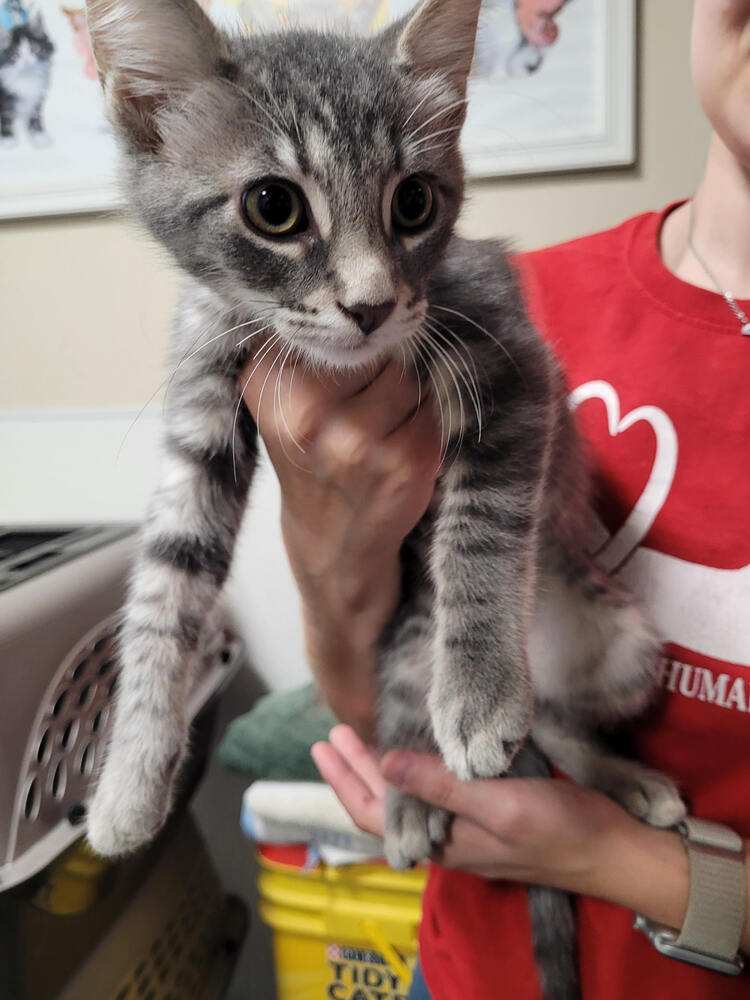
(651, 797)
(128, 809)
(412, 829)
(473, 747)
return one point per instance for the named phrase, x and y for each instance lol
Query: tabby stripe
(475, 509)
(187, 631)
(194, 211)
(502, 544)
(406, 693)
(193, 556)
(219, 466)
(514, 478)
(456, 600)
(410, 630)
(483, 649)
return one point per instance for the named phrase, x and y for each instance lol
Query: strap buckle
(664, 939)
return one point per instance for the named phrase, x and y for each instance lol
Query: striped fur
(496, 569)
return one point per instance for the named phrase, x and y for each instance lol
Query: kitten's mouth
(347, 347)
(342, 355)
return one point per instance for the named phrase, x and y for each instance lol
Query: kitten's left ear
(147, 53)
(438, 38)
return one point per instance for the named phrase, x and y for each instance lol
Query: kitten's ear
(438, 39)
(147, 52)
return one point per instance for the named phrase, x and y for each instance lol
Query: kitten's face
(26, 45)
(311, 181)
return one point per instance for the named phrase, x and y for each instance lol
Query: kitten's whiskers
(483, 330)
(431, 366)
(167, 380)
(419, 143)
(443, 355)
(456, 361)
(277, 129)
(277, 399)
(264, 351)
(427, 97)
(442, 111)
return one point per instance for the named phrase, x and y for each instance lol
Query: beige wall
(85, 302)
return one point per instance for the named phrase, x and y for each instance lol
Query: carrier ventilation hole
(105, 667)
(69, 734)
(59, 780)
(33, 801)
(78, 672)
(44, 748)
(59, 704)
(86, 765)
(87, 695)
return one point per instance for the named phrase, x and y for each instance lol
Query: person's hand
(531, 830)
(357, 458)
(536, 19)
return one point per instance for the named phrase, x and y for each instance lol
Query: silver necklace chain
(728, 297)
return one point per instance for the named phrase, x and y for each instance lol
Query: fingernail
(397, 768)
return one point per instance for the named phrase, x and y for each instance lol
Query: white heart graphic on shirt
(701, 608)
(623, 543)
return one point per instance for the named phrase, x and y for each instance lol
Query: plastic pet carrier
(74, 926)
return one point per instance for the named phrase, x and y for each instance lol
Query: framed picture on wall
(552, 88)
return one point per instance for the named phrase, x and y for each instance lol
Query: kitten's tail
(552, 912)
(553, 930)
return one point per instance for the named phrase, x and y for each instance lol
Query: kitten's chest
(25, 79)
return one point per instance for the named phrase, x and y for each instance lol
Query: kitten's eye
(412, 204)
(274, 209)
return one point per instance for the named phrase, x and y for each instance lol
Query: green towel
(272, 742)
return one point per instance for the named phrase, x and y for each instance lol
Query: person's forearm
(646, 870)
(342, 660)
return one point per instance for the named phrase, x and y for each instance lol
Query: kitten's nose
(368, 316)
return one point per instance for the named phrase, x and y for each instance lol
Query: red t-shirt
(660, 377)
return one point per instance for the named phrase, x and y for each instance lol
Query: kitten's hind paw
(412, 829)
(651, 797)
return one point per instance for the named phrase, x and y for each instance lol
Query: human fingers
(365, 808)
(417, 444)
(276, 383)
(360, 758)
(493, 804)
(384, 403)
(369, 437)
(471, 848)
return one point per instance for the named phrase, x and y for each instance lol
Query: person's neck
(720, 212)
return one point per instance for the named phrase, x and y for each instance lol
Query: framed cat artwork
(552, 88)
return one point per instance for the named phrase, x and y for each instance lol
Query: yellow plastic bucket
(340, 933)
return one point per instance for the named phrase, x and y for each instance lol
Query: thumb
(426, 777)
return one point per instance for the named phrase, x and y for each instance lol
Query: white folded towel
(306, 812)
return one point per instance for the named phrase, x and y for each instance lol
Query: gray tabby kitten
(308, 184)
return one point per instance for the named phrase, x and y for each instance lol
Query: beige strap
(717, 903)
